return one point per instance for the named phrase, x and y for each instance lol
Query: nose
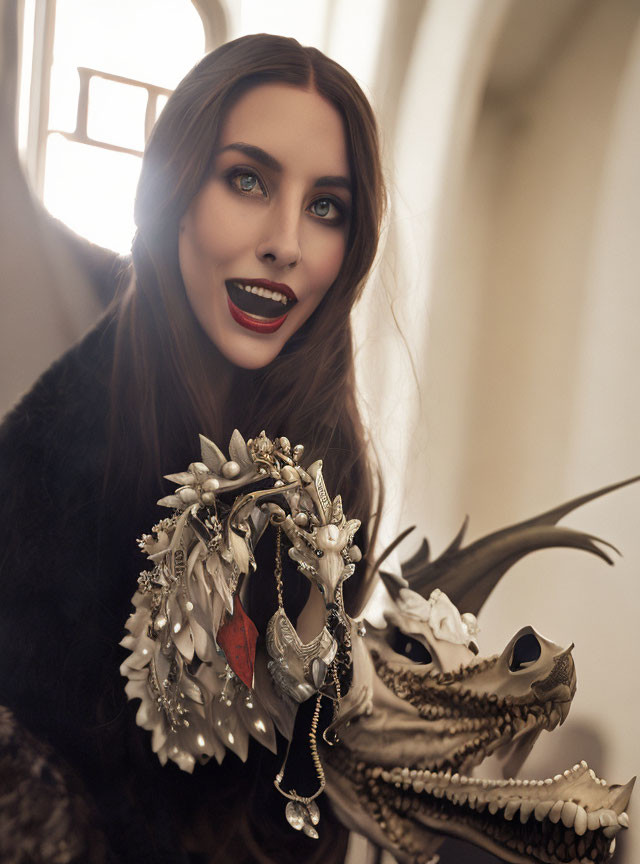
(280, 240)
(531, 664)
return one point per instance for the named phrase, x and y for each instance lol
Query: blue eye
(246, 182)
(328, 210)
(323, 206)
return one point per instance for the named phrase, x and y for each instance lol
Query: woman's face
(265, 237)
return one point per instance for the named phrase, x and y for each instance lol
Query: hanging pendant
(303, 817)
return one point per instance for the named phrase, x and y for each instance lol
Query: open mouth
(536, 821)
(259, 305)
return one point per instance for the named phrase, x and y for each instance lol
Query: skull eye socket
(526, 652)
(410, 648)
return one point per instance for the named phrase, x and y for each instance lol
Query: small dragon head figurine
(393, 718)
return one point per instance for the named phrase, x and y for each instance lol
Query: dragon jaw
(570, 818)
(402, 772)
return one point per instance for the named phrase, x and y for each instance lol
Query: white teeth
(607, 818)
(526, 809)
(610, 831)
(580, 821)
(568, 814)
(511, 809)
(623, 820)
(263, 292)
(556, 812)
(542, 809)
(593, 820)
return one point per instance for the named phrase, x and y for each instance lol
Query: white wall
(526, 287)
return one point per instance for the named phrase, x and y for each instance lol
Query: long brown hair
(163, 360)
(162, 392)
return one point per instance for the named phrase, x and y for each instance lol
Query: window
(100, 74)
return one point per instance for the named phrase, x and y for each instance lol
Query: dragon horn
(468, 575)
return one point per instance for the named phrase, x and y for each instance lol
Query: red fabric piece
(237, 637)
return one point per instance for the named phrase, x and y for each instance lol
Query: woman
(258, 214)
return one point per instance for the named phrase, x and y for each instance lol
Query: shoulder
(64, 411)
(66, 381)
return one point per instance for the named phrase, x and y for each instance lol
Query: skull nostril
(525, 652)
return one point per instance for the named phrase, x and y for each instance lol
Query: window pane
(116, 113)
(160, 103)
(146, 40)
(63, 105)
(91, 190)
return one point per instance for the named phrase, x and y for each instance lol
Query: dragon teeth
(556, 812)
(541, 810)
(526, 809)
(481, 793)
(593, 820)
(580, 821)
(511, 809)
(568, 814)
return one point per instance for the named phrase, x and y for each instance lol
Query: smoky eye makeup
(245, 181)
(329, 210)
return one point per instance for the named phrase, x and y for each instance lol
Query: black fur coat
(68, 569)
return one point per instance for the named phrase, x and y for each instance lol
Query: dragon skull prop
(393, 718)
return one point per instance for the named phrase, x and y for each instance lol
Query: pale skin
(276, 208)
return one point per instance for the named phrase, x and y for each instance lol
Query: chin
(250, 353)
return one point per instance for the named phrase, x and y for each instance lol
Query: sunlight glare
(303, 21)
(91, 190)
(116, 113)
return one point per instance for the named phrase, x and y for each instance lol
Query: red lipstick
(251, 323)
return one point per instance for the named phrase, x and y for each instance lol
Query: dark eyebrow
(341, 182)
(270, 161)
(256, 153)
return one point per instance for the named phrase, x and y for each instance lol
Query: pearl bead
(211, 484)
(230, 470)
(208, 498)
(188, 495)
